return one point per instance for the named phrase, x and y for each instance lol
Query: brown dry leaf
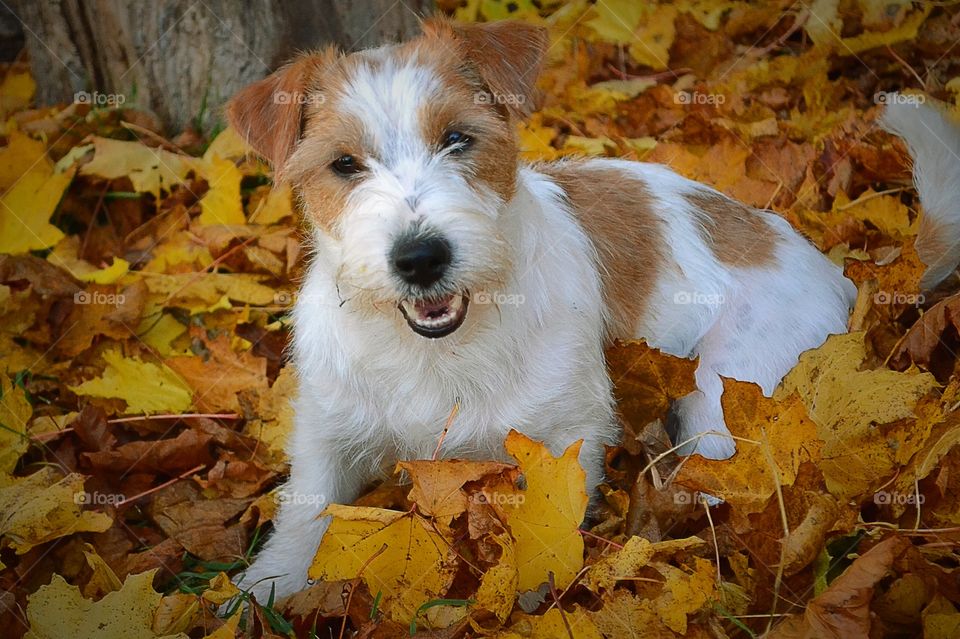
(217, 379)
(187, 450)
(805, 541)
(843, 611)
(198, 524)
(647, 381)
(437, 486)
(746, 481)
(927, 342)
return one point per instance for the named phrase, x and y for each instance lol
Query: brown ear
(507, 54)
(269, 114)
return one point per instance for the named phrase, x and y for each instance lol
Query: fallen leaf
(58, 610)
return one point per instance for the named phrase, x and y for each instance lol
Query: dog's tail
(932, 136)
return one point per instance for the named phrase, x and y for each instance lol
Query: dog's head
(404, 156)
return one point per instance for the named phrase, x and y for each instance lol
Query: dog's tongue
(430, 309)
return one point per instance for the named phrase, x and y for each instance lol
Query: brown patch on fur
(329, 132)
(616, 212)
(269, 114)
(492, 154)
(507, 56)
(736, 233)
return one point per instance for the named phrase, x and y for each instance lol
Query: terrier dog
(444, 269)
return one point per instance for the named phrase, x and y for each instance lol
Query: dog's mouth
(435, 317)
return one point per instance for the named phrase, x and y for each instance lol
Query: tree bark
(182, 59)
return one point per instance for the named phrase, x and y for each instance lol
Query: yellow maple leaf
(148, 168)
(779, 429)
(198, 293)
(227, 146)
(15, 412)
(546, 522)
(221, 204)
(398, 554)
(553, 625)
(26, 208)
(21, 151)
(109, 275)
(16, 92)
(848, 405)
(277, 205)
(146, 387)
(907, 30)
(275, 414)
(58, 610)
(654, 37)
(498, 586)
(616, 20)
(886, 212)
(43, 506)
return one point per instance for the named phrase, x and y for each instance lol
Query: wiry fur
(933, 139)
(573, 245)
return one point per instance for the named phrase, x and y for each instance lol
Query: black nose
(421, 261)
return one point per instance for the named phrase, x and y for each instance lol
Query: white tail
(933, 139)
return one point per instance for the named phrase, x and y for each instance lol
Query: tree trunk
(182, 59)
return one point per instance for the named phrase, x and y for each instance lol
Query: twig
(121, 420)
(556, 599)
(446, 427)
(45, 437)
(909, 68)
(587, 533)
(713, 533)
(652, 77)
(346, 607)
(867, 198)
(778, 581)
(127, 500)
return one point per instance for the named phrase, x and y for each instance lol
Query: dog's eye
(346, 165)
(456, 141)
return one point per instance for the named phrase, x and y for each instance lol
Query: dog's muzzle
(435, 317)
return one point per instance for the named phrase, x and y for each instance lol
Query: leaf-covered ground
(144, 287)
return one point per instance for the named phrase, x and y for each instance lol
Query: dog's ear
(507, 55)
(269, 114)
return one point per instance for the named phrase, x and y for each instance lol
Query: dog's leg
(770, 319)
(298, 528)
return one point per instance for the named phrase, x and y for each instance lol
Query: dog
(447, 272)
